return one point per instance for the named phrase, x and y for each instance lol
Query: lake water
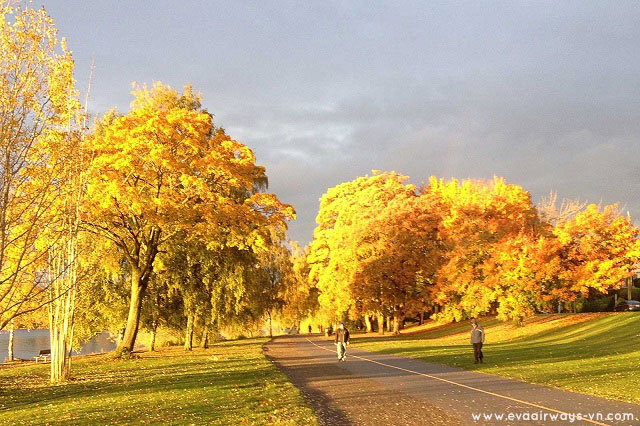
(27, 344)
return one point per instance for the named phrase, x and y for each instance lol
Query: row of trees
(158, 219)
(457, 249)
(151, 218)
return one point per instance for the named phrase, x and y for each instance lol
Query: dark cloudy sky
(546, 94)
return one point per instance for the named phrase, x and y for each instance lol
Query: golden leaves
(469, 246)
(160, 165)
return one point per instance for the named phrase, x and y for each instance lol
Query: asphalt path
(377, 389)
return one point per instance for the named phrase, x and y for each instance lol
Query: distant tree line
(455, 249)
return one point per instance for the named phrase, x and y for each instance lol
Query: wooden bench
(43, 355)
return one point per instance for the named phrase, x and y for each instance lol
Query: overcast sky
(546, 94)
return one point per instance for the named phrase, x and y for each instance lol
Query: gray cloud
(545, 94)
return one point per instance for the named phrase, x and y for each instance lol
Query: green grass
(230, 383)
(596, 354)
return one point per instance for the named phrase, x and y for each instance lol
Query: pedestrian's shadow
(321, 403)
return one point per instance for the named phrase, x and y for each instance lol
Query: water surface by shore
(28, 343)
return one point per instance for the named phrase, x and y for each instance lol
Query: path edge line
(465, 386)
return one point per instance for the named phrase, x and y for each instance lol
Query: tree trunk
(388, 317)
(629, 286)
(380, 323)
(204, 342)
(367, 321)
(421, 317)
(135, 307)
(10, 351)
(62, 293)
(188, 340)
(397, 320)
(270, 324)
(154, 329)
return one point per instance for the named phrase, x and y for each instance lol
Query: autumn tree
(597, 250)
(300, 296)
(332, 257)
(551, 213)
(162, 308)
(464, 248)
(274, 277)
(104, 304)
(399, 254)
(476, 217)
(590, 253)
(37, 104)
(189, 269)
(164, 168)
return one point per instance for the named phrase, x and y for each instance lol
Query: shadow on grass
(147, 379)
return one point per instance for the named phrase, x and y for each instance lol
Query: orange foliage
(468, 248)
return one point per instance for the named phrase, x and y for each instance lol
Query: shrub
(600, 304)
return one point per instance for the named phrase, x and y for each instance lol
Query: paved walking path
(377, 389)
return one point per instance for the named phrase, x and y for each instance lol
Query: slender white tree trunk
(63, 289)
(10, 349)
(380, 323)
(204, 342)
(154, 330)
(188, 340)
(367, 321)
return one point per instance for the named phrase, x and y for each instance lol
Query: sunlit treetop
(165, 168)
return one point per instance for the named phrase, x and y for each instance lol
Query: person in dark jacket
(477, 339)
(342, 340)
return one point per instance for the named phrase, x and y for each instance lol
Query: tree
(184, 268)
(399, 254)
(332, 255)
(275, 275)
(477, 216)
(71, 261)
(104, 303)
(462, 249)
(597, 250)
(300, 296)
(163, 307)
(590, 253)
(37, 103)
(163, 169)
(552, 214)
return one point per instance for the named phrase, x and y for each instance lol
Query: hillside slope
(597, 354)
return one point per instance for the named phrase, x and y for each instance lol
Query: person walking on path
(477, 339)
(310, 329)
(342, 340)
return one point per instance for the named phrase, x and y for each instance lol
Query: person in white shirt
(477, 339)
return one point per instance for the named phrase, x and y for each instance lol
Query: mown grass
(230, 383)
(596, 354)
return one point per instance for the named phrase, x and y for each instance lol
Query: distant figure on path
(477, 339)
(342, 340)
(310, 329)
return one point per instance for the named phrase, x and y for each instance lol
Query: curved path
(377, 389)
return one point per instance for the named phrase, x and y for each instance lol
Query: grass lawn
(596, 354)
(230, 383)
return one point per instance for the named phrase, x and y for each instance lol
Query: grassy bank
(230, 383)
(595, 354)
